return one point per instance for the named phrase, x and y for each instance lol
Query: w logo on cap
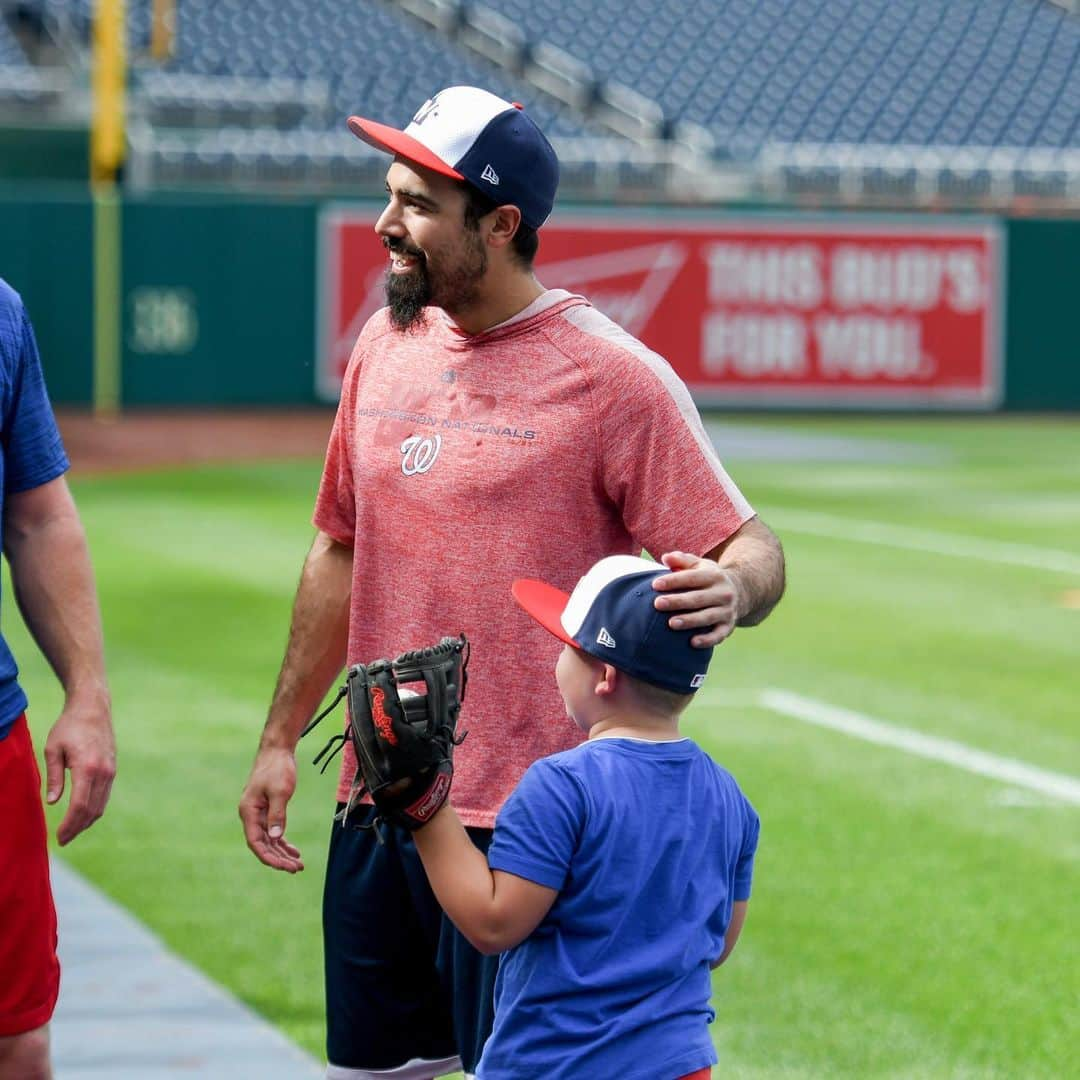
(426, 110)
(490, 175)
(605, 639)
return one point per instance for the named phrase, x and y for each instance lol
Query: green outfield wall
(46, 247)
(1042, 315)
(220, 303)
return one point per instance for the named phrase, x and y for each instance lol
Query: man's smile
(402, 258)
(401, 263)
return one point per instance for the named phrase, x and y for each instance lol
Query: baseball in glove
(403, 726)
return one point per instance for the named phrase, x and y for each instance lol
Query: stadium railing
(918, 175)
(177, 99)
(333, 161)
(27, 86)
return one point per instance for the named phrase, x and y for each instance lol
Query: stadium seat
(852, 57)
(750, 74)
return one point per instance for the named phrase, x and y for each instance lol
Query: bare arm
(738, 583)
(493, 909)
(754, 557)
(54, 587)
(738, 917)
(318, 637)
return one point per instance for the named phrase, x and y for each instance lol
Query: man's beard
(408, 294)
(452, 290)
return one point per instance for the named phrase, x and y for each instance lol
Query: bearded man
(489, 429)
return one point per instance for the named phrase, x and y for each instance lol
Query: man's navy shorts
(401, 983)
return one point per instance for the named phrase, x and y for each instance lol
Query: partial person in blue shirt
(43, 540)
(619, 872)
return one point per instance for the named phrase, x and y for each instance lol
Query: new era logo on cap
(611, 615)
(473, 135)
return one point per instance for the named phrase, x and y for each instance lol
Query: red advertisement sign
(837, 311)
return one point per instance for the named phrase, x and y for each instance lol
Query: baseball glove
(404, 738)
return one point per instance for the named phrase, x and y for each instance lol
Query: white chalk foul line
(1009, 770)
(937, 543)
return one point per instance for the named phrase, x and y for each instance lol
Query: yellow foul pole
(107, 146)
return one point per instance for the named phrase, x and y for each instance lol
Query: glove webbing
(417, 706)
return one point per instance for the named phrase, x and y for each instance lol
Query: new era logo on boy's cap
(611, 615)
(473, 135)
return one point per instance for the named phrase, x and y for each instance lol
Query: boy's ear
(607, 681)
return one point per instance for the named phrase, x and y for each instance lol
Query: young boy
(619, 871)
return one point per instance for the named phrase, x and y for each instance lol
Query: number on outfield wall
(163, 320)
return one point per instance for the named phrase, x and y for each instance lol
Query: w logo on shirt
(605, 639)
(419, 453)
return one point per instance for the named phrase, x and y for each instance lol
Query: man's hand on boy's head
(738, 583)
(700, 594)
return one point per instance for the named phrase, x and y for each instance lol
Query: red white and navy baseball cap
(611, 615)
(470, 134)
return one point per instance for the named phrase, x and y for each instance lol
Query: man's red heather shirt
(460, 462)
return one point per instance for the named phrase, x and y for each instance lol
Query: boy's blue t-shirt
(31, 453)
(649, 845)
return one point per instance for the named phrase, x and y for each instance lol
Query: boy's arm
(738, 917)
(493, 909)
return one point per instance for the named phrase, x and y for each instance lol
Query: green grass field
(910, 918)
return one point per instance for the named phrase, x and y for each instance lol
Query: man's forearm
(755, 558)
(318, 638)
(54, 587)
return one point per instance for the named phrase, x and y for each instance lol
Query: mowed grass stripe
(754, 740)
(1004, 480)
(964, 650)
(849, 530)
(206, 543)
(1032, 507)
(1008, 770)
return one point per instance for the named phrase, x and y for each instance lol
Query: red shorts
(29, 968)
(701, 1074)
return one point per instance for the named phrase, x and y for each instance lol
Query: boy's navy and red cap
(611, 615)
(470, 134)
